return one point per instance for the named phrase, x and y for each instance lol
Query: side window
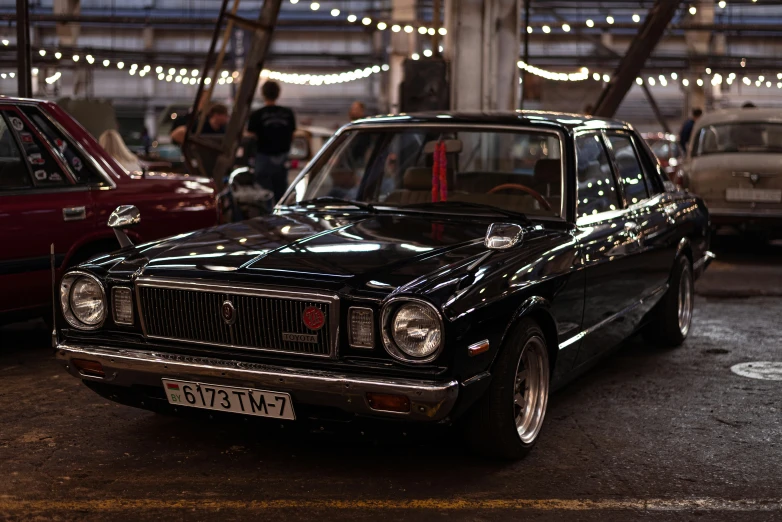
(57, 141)
(630, 172)
(596, 188)
(13, 172)
(46, 171)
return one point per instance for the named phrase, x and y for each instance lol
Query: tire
(498, 425)
(673, 317)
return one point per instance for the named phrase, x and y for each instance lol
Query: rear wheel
(673, 317)
(506, 422)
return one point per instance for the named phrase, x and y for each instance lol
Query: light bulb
(590, 23)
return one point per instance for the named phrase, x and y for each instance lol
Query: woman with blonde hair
(113, 143)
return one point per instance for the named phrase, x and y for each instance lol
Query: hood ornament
(500, 236)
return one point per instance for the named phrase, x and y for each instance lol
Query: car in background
(58, 187)
(668, 151)
(421, 269)
(735, 165)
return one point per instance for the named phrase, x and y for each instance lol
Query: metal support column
(650, 33)
(24, 57)
(527, 4)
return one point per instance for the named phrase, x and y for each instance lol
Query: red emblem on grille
(313, 318)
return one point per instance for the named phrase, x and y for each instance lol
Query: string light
(443, 31)
(352, 18)
(106, 63)
(335, 12)
(566, 28)
(685, 82)
(366, 20)
(693, 9)
(58, 55)
(639, 81)
(415, 56)
(382, 26)
(589, 23)
(722, 4)
(5, 42)
(610, 19)
(42, 52)
(422, 30)
(546, 29)
(396, 28)
(636, 18)
(581, 75)
(428, 53)
(408, 28)
(314, 6)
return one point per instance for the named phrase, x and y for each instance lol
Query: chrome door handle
(74, 213)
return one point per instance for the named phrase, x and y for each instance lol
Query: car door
(40, 204)
(649, 209)
(608, 234)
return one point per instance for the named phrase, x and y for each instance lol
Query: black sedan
(422, 268)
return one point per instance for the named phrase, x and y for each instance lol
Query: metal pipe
(526, 50)
(24, 59)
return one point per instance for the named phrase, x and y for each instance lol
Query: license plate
(756, 195)
(248, 401)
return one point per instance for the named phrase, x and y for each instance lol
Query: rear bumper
(430, 401)
(745, 218)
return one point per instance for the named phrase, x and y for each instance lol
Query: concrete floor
(649, 434)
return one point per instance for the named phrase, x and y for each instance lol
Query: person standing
(273, 127)
(686, 132)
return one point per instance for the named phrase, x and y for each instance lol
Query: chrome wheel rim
(685, 301)
(530, 393)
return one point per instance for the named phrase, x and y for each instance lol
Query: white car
(735, 164)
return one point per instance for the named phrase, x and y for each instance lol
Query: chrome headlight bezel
(390, 309)
(66, 290)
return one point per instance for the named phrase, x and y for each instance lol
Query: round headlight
(83, 301)
(415, 332)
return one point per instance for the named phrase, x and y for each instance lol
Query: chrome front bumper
(429, 400)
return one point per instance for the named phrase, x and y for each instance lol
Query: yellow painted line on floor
(8, 505)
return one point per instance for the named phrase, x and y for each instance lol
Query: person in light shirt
(112, 142)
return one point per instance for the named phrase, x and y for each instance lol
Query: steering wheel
(524, 188)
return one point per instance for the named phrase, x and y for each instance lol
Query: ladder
(215, 158)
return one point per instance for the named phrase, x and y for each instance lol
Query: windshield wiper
(331, 199)
(467, 204)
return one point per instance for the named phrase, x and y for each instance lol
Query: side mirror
(500, 236)
(123, 217)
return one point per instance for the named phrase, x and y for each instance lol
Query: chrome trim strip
(239, 289)
(604, 322)
(430, 400)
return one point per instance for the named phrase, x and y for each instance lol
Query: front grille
(267, 320)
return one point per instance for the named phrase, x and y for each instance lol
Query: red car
(58, 185)
(668, 151)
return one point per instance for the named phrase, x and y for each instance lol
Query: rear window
(725, 138)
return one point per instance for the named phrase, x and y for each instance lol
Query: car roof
(739, 115)
(563, 120)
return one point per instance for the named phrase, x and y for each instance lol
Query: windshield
(403, 166)
(740, 137)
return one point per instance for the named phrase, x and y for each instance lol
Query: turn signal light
(386, 402)
(91, 368)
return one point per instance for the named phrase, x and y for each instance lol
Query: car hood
(378, 251)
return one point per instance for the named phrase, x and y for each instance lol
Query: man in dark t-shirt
(273, 127)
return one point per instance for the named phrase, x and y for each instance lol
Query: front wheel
(506, 422)
(673, 317)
